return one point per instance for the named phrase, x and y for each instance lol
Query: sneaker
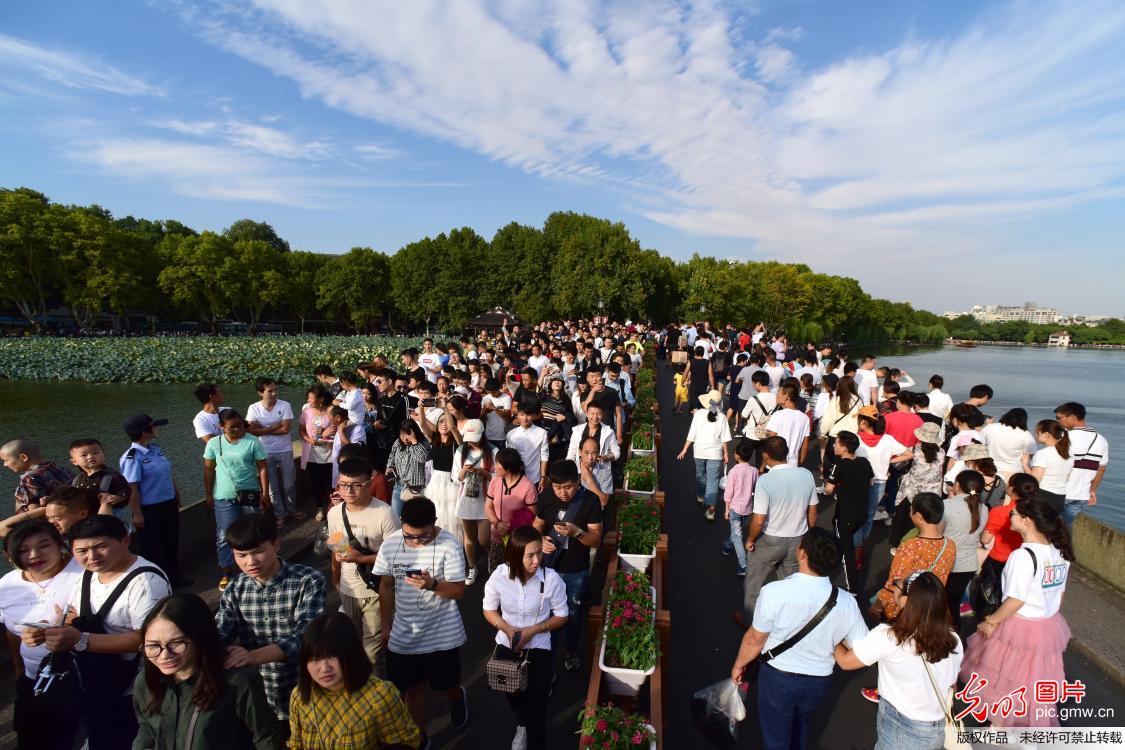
(572, 663)
(471, 578)
(880, 515)
(699, 499)
(709, 514)
(893, 551)
(870, 694)
(820, 489)
(741, 571)
(728, 548)
(519, 742)
(459, 711)
(223, 583)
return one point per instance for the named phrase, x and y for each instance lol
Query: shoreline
(1021, 344)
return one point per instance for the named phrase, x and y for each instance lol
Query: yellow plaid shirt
(373, 717)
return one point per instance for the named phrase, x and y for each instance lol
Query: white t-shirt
(792, 425)
(494, 424)
(531, 444)
(523, 605)
(1088, 445)
(903, 681)
(1039, 584)
(423, 621)
(940, 403)
(960, 440)
(426, 361)
(1056, 469)
(880, 454)
(352, 401)
(783, 494)
(538, 363)
(776, 373)
(707, 437)
(25, 601)
(1006, 446)
(268, 418)
(865, 380)
(206, 424)
(371, 526)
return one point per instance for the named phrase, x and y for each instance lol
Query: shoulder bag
(767, 656)
(362, 569)
(759, 431)
(508, 670)
(245, 498)
(954, 730)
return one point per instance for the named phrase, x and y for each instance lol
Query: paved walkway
(703, 591)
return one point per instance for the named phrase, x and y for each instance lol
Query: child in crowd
(739, 495)
(115, 496)
(37, 479)
(681, 393)
(67, 506)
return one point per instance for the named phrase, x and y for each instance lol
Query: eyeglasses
(416, 537)
(351, 486)
(175, 648)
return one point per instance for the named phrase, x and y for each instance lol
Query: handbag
(508, 671)
(362, 570)
(954, 730)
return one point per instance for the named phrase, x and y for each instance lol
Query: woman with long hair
(965, 514)
(698, 376)
(918, 655)
(923, 475)
(839, 416)
(1052, 463)
(472, 473)
(339, 702)
(441, 489)
(406, 464)
(184, 698)
(1000, 539)
(828, 383)
(45, 576)
(709, 439)
(558, 418)
(316, 431)
(1022, 643)
(525, 601)
(1009, 443)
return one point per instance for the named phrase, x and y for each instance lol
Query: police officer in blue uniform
(150, 474)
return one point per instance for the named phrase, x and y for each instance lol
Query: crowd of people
(979, 509)
(497, 458)
(493, 458)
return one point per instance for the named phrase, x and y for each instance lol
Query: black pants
(829, 459)
(955, 587)
(320, 481)
(847, 543)
(38, 727)
(111, 724)
(901, 523)
(160, 537)
(530, 706)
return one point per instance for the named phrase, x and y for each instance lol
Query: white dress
(469, 508)
(442, 491)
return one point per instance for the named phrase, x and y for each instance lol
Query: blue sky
(944, 153)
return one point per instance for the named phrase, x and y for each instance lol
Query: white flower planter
(652, 745)
(642, 493)
(636, 562)
(626, 682)
(639, 451)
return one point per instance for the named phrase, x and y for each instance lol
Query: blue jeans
(707, 473)
(738, 526)
(576, 586)
(896, 731)
(786, 701)
(874, 495)
(1071, 509)
(396, 500)
(226, 513)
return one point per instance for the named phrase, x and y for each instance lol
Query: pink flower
(602, 725)
(586, 741)
(638, 738)
(590, 712)
(614, 736)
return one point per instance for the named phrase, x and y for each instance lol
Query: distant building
(1028, 313)
(1059, 338)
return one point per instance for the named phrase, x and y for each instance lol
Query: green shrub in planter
(610, 728)
(643, 379)
(630, 635)
(642, 439)
(639, 521)
(641, 471)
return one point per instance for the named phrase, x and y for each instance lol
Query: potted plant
(610, 728)
(641, 444)
(640, 475)
(629, 648)
(638, 520)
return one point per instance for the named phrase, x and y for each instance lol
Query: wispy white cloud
(252, 136)
(69, 69)
(376, 152)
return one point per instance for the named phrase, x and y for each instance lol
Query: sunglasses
(417, 537)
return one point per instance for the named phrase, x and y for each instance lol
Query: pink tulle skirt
(1020, 652)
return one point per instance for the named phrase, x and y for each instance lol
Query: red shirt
(1000, 526)
(901, 426)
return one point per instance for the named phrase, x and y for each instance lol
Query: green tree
(29, 272)
(258, 276)
(352, 287)
(99, 263)
(413, 270)
(302, 289)
(595, 260)
(201, 273)
(457, 280)
(517, 273)
(247, 229)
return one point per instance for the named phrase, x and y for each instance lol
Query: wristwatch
(579, 535)
(83, 642)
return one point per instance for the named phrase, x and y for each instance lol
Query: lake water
(55, 413)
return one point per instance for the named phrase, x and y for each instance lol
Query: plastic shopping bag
(717, 709)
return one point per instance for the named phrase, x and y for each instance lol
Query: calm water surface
(55, 413)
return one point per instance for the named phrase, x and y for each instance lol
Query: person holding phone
(525, 602)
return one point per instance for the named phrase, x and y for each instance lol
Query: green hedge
(189, 359)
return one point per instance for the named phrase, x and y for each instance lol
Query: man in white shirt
(429, 360)
(940, 401)
(790, 424)
(793, 684)
(760, 404)
(270, 420)
(351, 398)
(866, 382)
(370, 521)
(1090, 452)
(530, 441)
(496, 411)
(784, 509)
(537, 360)
(101, 546)
(206, 422)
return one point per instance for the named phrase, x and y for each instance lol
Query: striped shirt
(408, 462)
(253, 615)
(423, 621)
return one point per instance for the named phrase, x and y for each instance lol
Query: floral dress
(920, 477)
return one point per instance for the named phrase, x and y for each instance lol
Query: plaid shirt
(253, 615)
(373, 716)
(38, 482)
(409, 462)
